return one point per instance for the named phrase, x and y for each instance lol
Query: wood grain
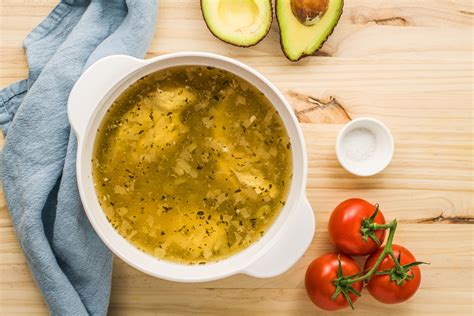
(407, 63)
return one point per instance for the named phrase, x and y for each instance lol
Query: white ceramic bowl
(285, 241)
(382, 150)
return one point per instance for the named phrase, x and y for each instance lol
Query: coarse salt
(359, 144)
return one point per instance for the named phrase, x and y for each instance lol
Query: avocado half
(306, 24)
(238, 22)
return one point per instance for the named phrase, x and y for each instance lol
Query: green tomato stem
(379, 226)
(398, 266)
(392, 226)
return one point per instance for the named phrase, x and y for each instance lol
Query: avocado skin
(250, 45)
(322, 43)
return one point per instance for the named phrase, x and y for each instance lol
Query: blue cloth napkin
(69, 262)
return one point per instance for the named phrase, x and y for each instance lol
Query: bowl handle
(284, 254)
(94, 84)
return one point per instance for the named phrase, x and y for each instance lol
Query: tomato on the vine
(320, 278)
(390, 287)
(351, 227)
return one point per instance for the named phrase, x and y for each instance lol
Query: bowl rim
(291, 125)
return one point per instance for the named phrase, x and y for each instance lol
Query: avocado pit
(308, 12)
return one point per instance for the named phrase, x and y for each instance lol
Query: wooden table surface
(408, 63)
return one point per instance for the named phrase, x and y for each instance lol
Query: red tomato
(319, 281)
(345, 227)
(385, 290)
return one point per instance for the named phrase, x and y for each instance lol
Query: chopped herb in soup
(192, 164)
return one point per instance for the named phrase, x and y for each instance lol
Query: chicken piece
(203, 240)
(145, 133)
(171, 99)
(254, 179)
(152, 125)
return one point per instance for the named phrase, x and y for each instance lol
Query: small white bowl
(369, 157)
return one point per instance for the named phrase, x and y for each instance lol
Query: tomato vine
(399, 273)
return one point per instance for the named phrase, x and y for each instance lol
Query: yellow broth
(192, 164)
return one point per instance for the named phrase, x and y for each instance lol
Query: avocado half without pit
(306, 24)
(238, 22)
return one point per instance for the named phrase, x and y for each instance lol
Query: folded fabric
(69, 262)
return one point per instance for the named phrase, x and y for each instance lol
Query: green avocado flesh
(241, 23)
(299, 40)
